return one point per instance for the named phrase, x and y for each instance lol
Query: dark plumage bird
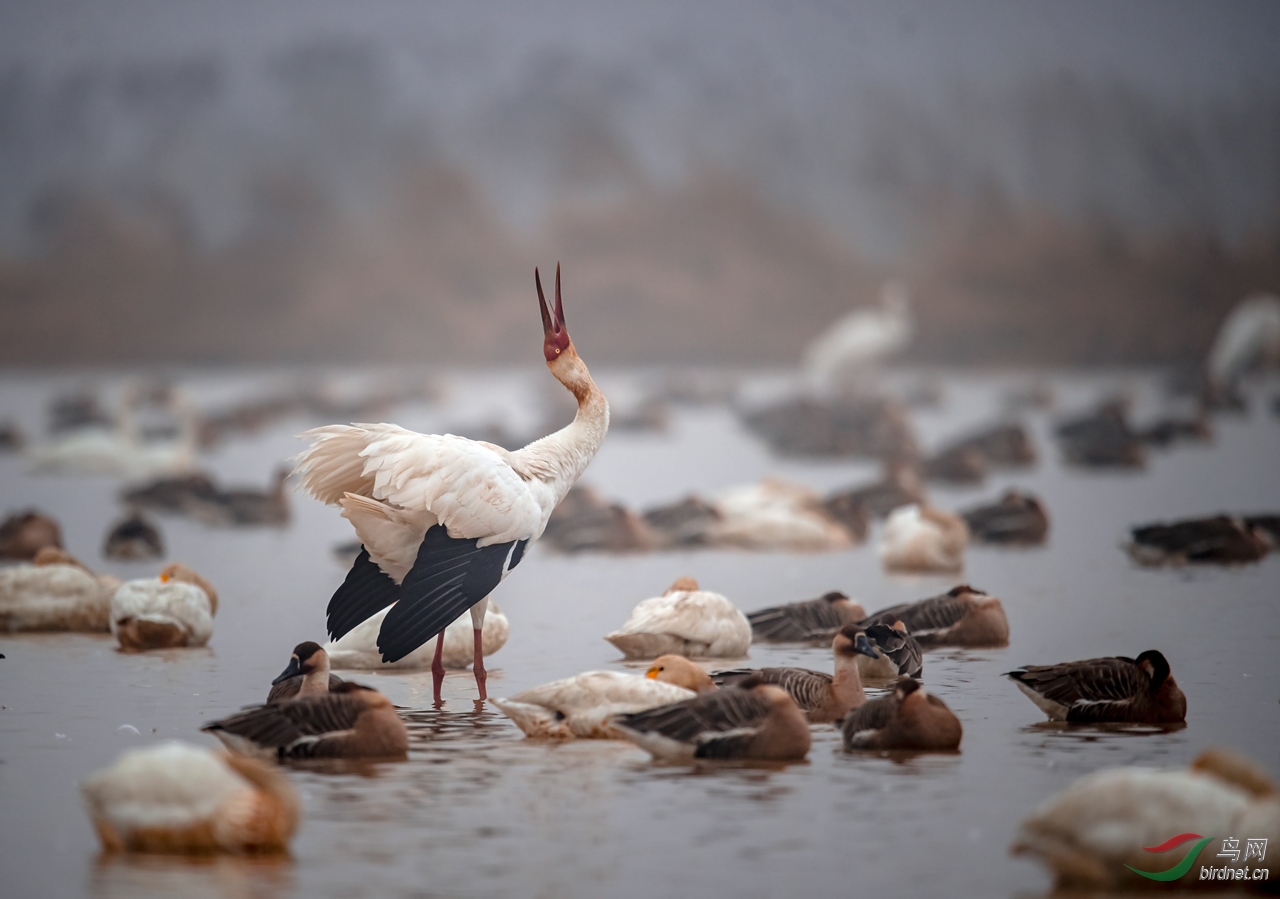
(134, 538)
(243, 506)
(753, 720)
(821, 696)
(956, 465)
(24, 534)
(908, 718)
(1140, 690)
(963, 616)
(1221, 539)
(307, 674)
(1018, 519)
(352, 721)
(811, 620)
(898, 653)
(173, 494)
(1102, 439)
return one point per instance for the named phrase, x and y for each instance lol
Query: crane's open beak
(555, 336)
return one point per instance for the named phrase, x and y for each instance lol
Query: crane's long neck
(559, 459)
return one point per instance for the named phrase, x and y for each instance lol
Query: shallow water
(480, 811)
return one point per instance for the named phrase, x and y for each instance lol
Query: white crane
(862, 338)
(1249, 336)
(443, 519)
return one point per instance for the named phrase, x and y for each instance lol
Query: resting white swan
(684, 621)
(179, 798)
(581, 706)
(917, 538)
(1088, 834)
(54, 593)
(861, 338)
(174, 609)
(776, 515)
(358, 648)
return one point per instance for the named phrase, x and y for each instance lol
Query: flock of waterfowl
(441, 520)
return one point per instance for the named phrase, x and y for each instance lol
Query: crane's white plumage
(923, 539)
(358, 648)
(684, 621)
(1250, 335)
(862, 337)
(581, 706)
(443, 517)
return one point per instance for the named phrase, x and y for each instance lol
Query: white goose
(173, 609)
(685, 621)
(443, 519)
(921, 538)
(358, 648)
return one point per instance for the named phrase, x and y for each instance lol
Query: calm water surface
(480, 811)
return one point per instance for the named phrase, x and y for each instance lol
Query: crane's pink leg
(477, 666)
(437, 669)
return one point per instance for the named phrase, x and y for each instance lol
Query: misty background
(316, 181)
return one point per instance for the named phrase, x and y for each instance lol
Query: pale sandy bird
(909, 718)
(1101, 830)
(685, 620)
(862, 338)
(778, 516)
(583, 705)
(924, 539)
(307, 674)
(350, 721)
(443, 519)
(822, 697)
(179, 798)
(752, 720)
(171, 610)
(1140, 690)
(55, 593)
(358, 648)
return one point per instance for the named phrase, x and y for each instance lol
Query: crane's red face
(555, 336)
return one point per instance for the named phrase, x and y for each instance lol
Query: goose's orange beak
(555, 336)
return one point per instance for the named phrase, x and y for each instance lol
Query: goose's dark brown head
(306, 658)
(1156, 665)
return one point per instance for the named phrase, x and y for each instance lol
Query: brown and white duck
(909, 718)
(898, 653)
(350, 721)
(963, 616)
(822, 697)
(1140, 690)
(810, 620)
(753, 720)
(307, 674)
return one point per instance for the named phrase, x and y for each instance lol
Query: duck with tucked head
(1122, 689)
(56, 592)
(963, 616)
(172, 610)
(909, 718)
(813, 619)
(585, 704)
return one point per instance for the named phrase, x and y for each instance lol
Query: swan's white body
(581, 706)
(916, 539)
(776, 515)
(155, 614)
(1250, 335)
(54, 598)
(1099, 824)
(358, 648)
(691, 623)
(121, 451)
(862, 337)
(178, 797)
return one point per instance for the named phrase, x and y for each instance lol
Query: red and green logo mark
(1182, 867)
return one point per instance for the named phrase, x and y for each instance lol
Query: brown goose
(898, 653)
(814, 619)
(822, 697)
(1220, 539)
(963, 616)
(1018, 519)
(133, 539)
(26, 533)
(352, 721)
(753, 720)
(243, 506)
(307, 674)
(1137, 690)
(908, 718)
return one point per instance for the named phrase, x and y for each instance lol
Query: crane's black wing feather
(366, 592)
